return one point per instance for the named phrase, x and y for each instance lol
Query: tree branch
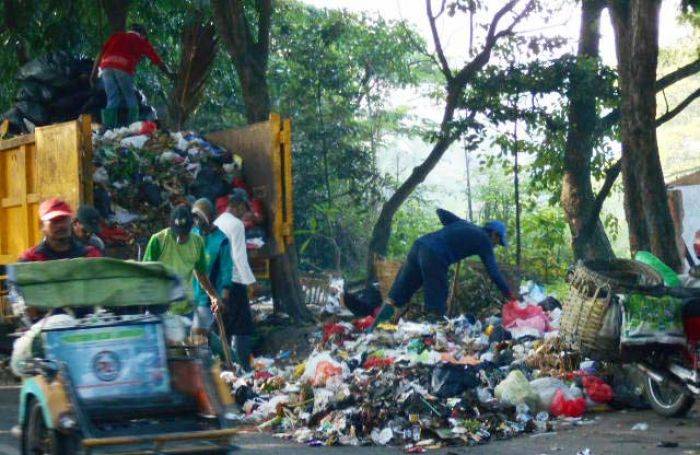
(444, 66)
(677, 110)
(610, 176)
(491, 39)
(671, 78)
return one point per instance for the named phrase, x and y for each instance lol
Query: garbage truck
(56, 160)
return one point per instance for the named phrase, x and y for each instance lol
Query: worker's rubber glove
(385, 314)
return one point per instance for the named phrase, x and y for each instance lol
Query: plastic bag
(612, 323)
(597, 390)
(515, 389)
(516, 315)
(451, 380)
(325, 370)
(666, 272)
(563, 406)
(546, 389)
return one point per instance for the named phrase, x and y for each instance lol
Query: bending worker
(431, 256)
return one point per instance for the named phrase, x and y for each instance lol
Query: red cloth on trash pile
(530, 316)
(333, 329)
(597, 390)
(378, 362)
(112, 235)
(148, 127)
(262, 375)
(325, 370)
(363, 323)
(567, 407)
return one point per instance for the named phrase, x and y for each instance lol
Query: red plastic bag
(378, 362)
(563, 406)
(597, 390)
(363, 324)
(148, 127)
(262, 375)
(325, 370)
(529, 316)
(330, 330)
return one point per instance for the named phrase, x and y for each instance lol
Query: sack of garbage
(597, 390)
(515, 389)
(566, 404)
(451, 380)
(546, 389)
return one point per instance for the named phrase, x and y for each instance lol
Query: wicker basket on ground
(595, 286)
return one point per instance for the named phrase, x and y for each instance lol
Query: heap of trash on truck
(140, 172)
(425, 385)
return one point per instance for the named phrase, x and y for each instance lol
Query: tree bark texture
(588, 237)
(636, 23)
(199, 47)
(249, 54)
(250, 57)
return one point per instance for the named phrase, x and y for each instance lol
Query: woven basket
(583, 315)
(620, 276)
(386, 271)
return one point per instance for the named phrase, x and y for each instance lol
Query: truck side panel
(267, 167)
(54, 161)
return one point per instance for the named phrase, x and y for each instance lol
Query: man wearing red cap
(56, 218)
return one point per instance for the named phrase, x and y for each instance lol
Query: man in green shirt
(217, 251)
(183, 252)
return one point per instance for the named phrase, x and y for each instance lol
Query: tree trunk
(636, 24)
(198, 43)
(117, 12)
(381, 232)
(588, 237)
(250, 57)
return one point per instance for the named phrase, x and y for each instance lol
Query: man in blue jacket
(431, 256)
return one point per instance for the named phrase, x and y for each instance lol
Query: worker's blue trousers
(119, 86)
(422, 268)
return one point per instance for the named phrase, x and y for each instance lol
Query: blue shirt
(217, 254)
(459, 239)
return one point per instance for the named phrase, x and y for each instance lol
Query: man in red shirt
(56, 218)
(117, 64)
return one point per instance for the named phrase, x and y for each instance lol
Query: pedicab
(111, 381)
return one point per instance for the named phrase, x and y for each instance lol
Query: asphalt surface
(603, 433)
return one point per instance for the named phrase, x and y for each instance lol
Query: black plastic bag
(34, 112)
(363, 302)
(451, 380)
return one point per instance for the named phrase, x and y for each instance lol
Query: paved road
(609, 433)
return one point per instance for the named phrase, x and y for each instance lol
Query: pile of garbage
(56, 88)
(423, 384)
(141, 172)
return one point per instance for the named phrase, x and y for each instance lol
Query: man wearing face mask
(183, 251)
(56, 224)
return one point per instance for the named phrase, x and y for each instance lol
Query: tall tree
(588, 237)
(250, 54)
(248, 45)
(456, 82)
(636, 27)
(198, 50)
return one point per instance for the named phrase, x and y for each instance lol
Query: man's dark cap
(181, 220)
(239, 196)
(89, 217)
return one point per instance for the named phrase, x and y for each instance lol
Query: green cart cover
(94, 281)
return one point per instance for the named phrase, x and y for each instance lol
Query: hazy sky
(447, 181)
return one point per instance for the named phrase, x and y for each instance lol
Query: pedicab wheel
(666, 399)
(38, 439)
